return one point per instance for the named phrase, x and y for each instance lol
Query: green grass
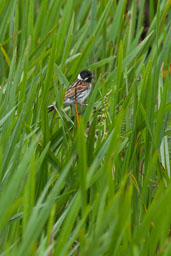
(102, 188)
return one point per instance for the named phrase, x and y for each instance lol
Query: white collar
(80, 78)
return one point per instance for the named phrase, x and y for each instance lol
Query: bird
(78, 91)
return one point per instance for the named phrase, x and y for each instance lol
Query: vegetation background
(103, 187)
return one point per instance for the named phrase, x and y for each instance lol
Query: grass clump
(102, 188)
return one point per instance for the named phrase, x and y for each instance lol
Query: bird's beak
(92, 76)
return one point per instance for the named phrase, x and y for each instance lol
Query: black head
(85, 75)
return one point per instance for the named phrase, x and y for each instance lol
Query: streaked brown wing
(77, 87)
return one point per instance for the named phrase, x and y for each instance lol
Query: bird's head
(85, 75)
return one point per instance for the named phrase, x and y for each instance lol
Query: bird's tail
(51, 108)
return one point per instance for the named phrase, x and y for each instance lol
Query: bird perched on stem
(78, 90)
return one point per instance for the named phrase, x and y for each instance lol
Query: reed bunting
(78, 91)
